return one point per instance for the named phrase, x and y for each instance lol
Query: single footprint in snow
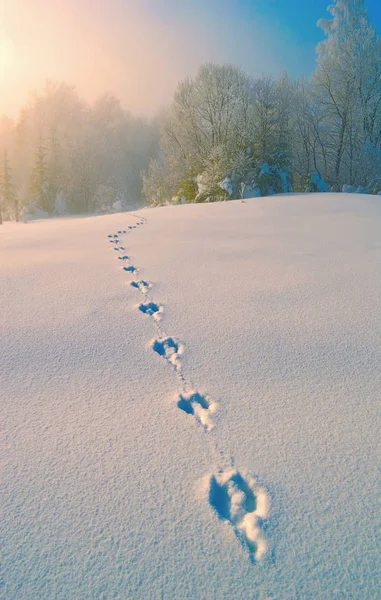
(200, 406)
(130, 269)
(242, 503)
(169, 349)
(152, 309)
(141, 285)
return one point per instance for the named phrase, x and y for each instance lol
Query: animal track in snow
(141, 285)
(152, 309)
(245, 505)
(234, 498)
(169, 349)
(200, 406)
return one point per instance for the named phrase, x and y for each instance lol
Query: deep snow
(204, 425)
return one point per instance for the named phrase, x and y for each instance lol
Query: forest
(226, 135)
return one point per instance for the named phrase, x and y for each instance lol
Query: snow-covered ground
(209, 432)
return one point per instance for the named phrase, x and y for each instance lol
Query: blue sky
(139, 50)
(288, 26)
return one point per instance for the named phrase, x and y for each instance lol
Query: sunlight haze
(132, 49)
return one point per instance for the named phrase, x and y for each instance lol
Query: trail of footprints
(234, 497)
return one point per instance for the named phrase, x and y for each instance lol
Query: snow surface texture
(131, 441)
(232, 497)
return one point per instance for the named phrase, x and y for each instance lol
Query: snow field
(228, 449)
(233, 498)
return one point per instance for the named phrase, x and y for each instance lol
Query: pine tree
(39, 183)
(53, 172)
(8, 196)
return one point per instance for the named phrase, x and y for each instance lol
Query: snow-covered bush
(316, 184)
(265, 180)
(353, 189)
(60, 204)
(213, 183)
(228, 186)
(176, 200)
(375, 186)
(273, 177)
(349, 189)
(104, 198)
(156, 189)
(120, 203)
(250, 192)
(242, 173)
(117, 206)
(31, 212)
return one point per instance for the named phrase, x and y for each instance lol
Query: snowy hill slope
(209, 431)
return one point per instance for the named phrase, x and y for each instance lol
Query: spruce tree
(53, 172)
(39, 183)
(8, 196)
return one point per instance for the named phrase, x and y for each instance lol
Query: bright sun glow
(6, 55)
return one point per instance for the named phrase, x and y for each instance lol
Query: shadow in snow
(244, 505)
(150, 308)
(142, 285)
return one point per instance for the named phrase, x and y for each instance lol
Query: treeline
(65, 156)
(227, 135)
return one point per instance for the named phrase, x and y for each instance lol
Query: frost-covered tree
(265, 117)
(309, 152)
(346, 88)
(84, 149)
(211, 111)
(224, 135)
(221, 129)
(272, 103)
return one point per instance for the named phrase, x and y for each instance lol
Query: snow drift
(204, 423)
